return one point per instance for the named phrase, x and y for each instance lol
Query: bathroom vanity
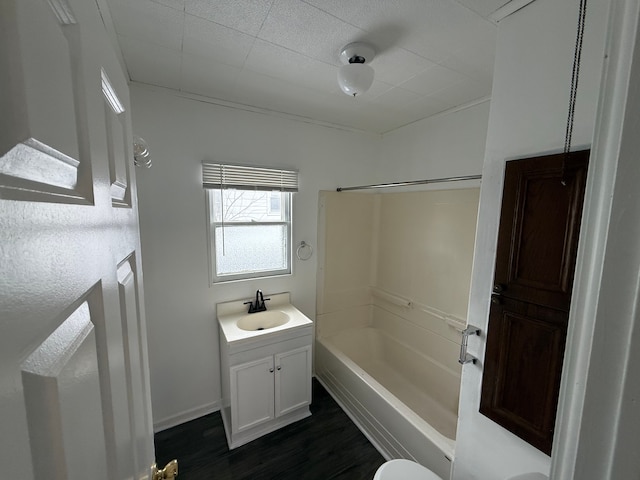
(265, 360)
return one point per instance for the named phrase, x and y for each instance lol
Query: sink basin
(242, 330)
(262, 320)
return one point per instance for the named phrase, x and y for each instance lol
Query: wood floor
(324, 446)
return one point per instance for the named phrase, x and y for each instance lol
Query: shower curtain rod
(412, 182)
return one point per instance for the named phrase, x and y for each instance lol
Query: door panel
(252, 394)
(134, 364)
(522, 370)
(293, 380)
(74, 383)
(540, 221)
(535, 262)
(40, 152)
(116, 123)
(63, 400)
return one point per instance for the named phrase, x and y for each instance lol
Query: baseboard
(185, 416)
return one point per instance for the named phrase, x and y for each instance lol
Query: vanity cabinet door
(293, 380)
(252, 394)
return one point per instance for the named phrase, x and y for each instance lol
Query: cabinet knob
(271, 370)
(279, 367)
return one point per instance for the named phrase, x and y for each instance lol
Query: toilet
(401, 469)
(407, 470)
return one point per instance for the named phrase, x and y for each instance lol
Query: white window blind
(218, 175)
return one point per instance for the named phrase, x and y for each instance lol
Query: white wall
(445, 145)
(528, 114)
(181, 133)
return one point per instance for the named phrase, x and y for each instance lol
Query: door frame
(594, 416)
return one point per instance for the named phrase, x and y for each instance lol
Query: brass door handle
(169, 471)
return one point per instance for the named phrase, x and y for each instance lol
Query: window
(249, 221)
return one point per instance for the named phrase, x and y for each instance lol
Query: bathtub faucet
(259, 305)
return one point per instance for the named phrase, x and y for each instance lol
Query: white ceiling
(283, 55)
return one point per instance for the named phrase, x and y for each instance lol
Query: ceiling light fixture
(355, 77)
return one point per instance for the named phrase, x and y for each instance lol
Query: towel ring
(300, 249)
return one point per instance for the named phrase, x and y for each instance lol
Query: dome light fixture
(355, 76)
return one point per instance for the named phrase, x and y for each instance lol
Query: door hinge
(169, 471)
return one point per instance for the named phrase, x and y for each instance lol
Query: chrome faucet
(259, 305)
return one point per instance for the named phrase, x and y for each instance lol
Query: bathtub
(403, 400)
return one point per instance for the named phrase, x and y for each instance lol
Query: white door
(74, 383)
(293, 380)
(251, 394)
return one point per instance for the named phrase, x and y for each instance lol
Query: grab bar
(464, 356)
(391, 298)
(456, 322)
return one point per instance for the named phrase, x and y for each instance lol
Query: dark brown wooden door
(535, 262)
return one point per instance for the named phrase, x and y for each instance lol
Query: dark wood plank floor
(324, 446)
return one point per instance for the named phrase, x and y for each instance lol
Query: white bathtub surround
(329, 324)
(392, 297)
(404, 400)
(421, 329)
(414, 246)
(396, 359)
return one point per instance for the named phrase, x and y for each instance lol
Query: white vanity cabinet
(265, 374)
(269, 388)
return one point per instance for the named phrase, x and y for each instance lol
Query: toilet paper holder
(464, 356)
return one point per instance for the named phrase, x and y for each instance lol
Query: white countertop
(230, 312)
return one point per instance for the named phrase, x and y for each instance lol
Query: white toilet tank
(408, 470)
(404, 470)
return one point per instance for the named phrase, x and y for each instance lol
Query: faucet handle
(252, 307)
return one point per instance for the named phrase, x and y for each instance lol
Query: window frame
(212, 224)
